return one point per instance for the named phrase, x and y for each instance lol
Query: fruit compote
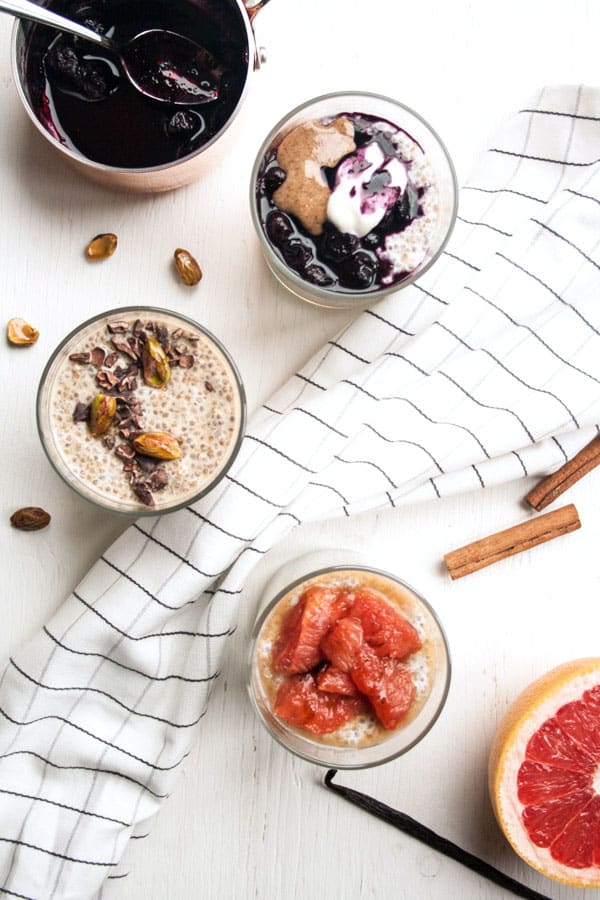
(347, 658)
(85, 101)
(348, 202)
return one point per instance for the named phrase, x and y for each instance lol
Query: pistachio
(30, 518)
(155, 364)
(102, 246)
(102, 412)
(19, 332)
(158, 444)
(189, 270)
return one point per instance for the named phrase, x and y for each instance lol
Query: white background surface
(247, 820)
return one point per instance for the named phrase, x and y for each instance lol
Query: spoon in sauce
(161, 64)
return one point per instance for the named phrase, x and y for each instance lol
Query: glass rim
(79, 157)
(151, 310)
(340, 764)
(293, 276)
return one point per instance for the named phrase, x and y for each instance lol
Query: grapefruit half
(544, 774)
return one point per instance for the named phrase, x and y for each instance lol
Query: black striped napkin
(486, 370)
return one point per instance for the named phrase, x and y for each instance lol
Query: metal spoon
(161, 64)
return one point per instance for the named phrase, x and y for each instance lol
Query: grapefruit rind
(537, 703)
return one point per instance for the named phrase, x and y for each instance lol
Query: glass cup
(235, 19)
(362, 742)
(421, 242)
(206, 392)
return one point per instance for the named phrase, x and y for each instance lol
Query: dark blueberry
(358, 271)
(372, 240)
(97, 81)
(337, 245)
(94, 25)
(296, 254)
(407, 208)
(317, 275)
(63, 60)
(186, 124)
(274, 178)
(90, 79)
(279, 228)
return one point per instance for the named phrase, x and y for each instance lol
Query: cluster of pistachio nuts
(147, 351)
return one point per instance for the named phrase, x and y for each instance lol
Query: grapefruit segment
(298, 647)
(301, 703)
(387, 631)
(544, 774)
(342, 643)
(387, 683)
(537, 782)
(335, 681)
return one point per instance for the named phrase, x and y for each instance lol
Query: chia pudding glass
(160, 446)
(361, 741)
(353, 196)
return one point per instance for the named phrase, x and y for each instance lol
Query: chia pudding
(353, 201)
(128, 435)
(321, 689)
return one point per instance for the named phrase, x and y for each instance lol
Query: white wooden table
(248, 820)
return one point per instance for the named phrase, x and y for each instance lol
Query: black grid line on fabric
(461, 260)
(145, 637)
(236, 537)
(367, 462)
(330, 487)
(488, 405)
(420, 411)
(478, 473)
(391, 502)
(128, 668)
(583, 196)
(328, 425)
(509, 371)
(406, 360)
(114, 877)
(535, 335)
(141, 586)
(547, 287)
(351, 353)
(292, 516)
(389, 440)
(306, 412)
(95, 770)
(374, 315)
(220, 590)
(484, 225)
(95, 737)
(279, 452)
(482, 190)
(4, 890)
(309, 381)
(83, 812)
(174, 553)
(561, 448)
(435, 487)
(258, 496)
(139, 837)
(569, 243)
(129, 709)
(523, 466)
(73, 859)
(419, 287)
(552, 112)
(558, 162)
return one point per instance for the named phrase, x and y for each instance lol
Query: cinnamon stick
(513, 540)
(544, 493)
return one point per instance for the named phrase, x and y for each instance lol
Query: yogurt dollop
(367, 183)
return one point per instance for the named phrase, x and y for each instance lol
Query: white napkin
(487, 369)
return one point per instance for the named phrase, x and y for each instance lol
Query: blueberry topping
(406, 209)
(92, 79)
(317, 275)
(185, 124)
(273, 179)
(358, 271)
(296, 254)
(279, 228)
(337, 245)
